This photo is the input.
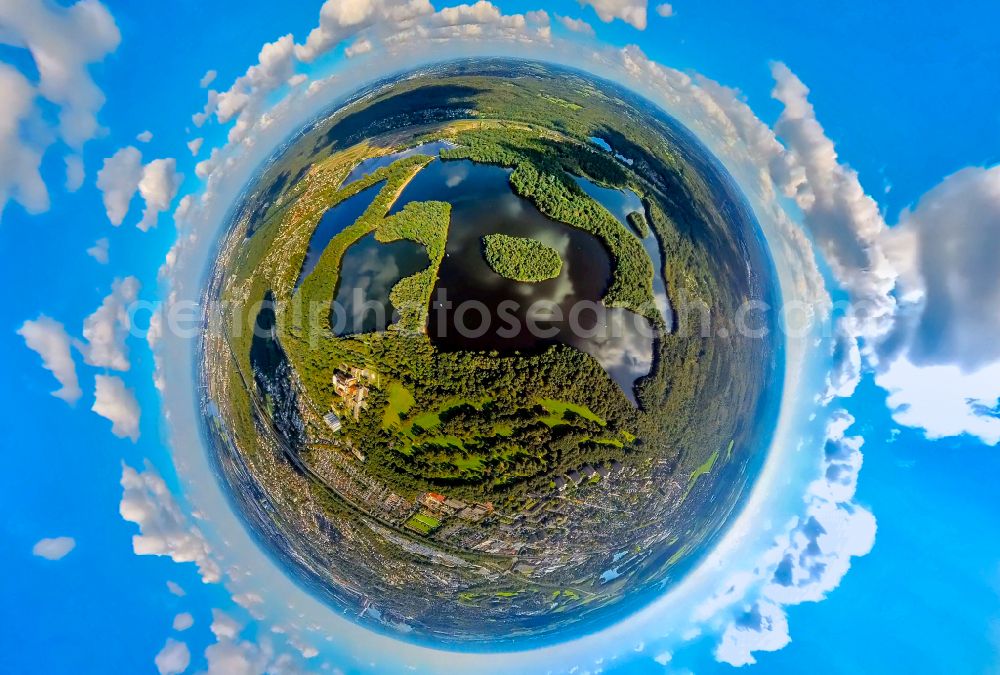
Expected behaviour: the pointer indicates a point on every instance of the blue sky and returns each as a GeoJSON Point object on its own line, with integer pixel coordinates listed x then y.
{"type": "Point", "coordinates": [909, 93]}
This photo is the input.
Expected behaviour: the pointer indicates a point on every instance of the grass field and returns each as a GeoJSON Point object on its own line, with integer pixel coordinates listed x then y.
{"type": "Point", "coordinates": [400, 400]}
{"type": "Point", "coordinates": [558, 409]}
{"type": "Point", "coordinates": [423, 523]}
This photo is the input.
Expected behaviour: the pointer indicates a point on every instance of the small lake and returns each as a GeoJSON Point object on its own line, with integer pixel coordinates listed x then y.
{"type": "Point", "coordinates": [333, 223]}
{"type": "Point", "coordinates": [621, 203]}
{"type": "Point", "coordinates": [368, 271]}
{"type": "Point", "coordinates": [476, 309]}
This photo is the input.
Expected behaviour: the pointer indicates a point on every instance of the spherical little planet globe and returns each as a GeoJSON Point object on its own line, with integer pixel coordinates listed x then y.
{"type": "Point", "coordinates": [472, 372]}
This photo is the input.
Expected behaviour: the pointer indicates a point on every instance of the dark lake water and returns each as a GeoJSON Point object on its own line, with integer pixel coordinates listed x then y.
{"type": "Point", "coordinates": [368, 271]}
{"type": "Point", "coordinates": [476, 309]}
{"type": "Point", "coordinates": [333, 222]}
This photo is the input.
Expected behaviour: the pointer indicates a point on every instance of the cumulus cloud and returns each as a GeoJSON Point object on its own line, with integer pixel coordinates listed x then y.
{"type": "Point", "coordinates": [75, 172]}
{"type": "Point", "coordinates": [245, 98]}
{"type": "Point", "coordinates": [194, 145]}
{"type": "Point", "coordinates": [946, 249]}
{"type": "Point", "coordinates": [183, 621]}
{"type": "Point", "coordinates": [843, 220]}
{"type": "Point", "coordinates": [207, 79]}
{"type": "Point", "coordinates": [845, 373]}
{"type": "Point", "coordinates": [123, 174]}
{"type": "Point", "coordinates": [48, 338]}
{"type": "Point", "coordinates": [632, 12]}
{"type": "Point", "coordinates": [62, 42]}
{"type": "Point", "coordinates": [99, 251]}
{"type": "Point", "coordinates": [576, 25]}
{"type": "Point", "coordinates": [480, 21]}
{"type": "Point", "coordinates": [20, 179]}
{"type": "Point", "coordinates": [118, 181]}
{"type": "Point", "coordinates": [224, 626]}
{"type": "Point", "coordinates": [55, 548]}
{"type": "Point", "coordinates": [114, 402]}
{"type": "Point", "coordinates": [163, 528]}
{"type": "Point", "coordinates": [665, 10]}
{"type": "Point", "coordinates": [174, 658]}
{"type": "Point", "coordinates": [360, 46]}
{"type": "Point", "coordinates": [944, 400]}
{"type": "Point", "coordinates": [144, 136]}
{"type": "Point", "coordinates": [762, 626]}
{"type": "Point", "coordinates": [175, 589]}
{"type": "Point", "coordinates": [158, 187]}
{"type": "Point", "coordinates": [106, 330]}
{"type": "Point", "coordinates": [342, 19]}
{"type": "Point", "coordinates": [924, 292]}
{"type": "Point", "coordinates": [806, 562]}
{"type": "Point", "coordinates": [232, 655]}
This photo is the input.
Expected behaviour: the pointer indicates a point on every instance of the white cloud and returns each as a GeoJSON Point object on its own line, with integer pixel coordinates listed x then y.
{"type": "Point", "coordinates": [231, 655]}
{"type": "Point", "coordinates": [808, 561]}
{"type": "Point", "coordinates": [123, 174]}
{"type": "Point", "coordinates": [106, 330]}
{"type": "Point", "coordinates": [207, 79]}
{"type": "Point", "coordinates": [665, 10]}
{"type": "Point", "coordinates": [944, 400]}
{"type": "Point", "coordinates": [158, 187]}
{"type": "Point", "coordinates": [20, 179]}
{"type": "Point", "coordinates": [359, 47]}
{"type": "Point", "coordinates": [183, 621]}
{"type": "Point", "coordinates": [175, 589]}
{"type": "Point", "coordinates": [118, 181]}
{"type": "Point", "coordinates": [99, 251]}
{"type": "Point", "coordinates": [145, 136]}
{"type": "Point", "coordinates": [843, 220]}
{"type": "Point", "coordinates": [632, 12]}
{"type": "Point", "coordinates": [55, 548]}
{"type": "Point", "coordinates": [62, 42]}
{"type": "Point", "coordinates": [48, 338]}
{"type": "Point", "coordinates": [75, 172]}
{"type": "Point", "coordinates": [246, 97]}
{"type": "Point", "coordinates": [922, 292]}
{"type": "Point", "coordinates": [224, 626]}
{"type": "Point", "coordinates": [845, 373]}
{"type": "Point", "coordinates": [482, 21]}
{"type": "Point", "coordinates": [163, 527]}
{"type": "Point", "coordinates": [342, 19]}
{"type": "Point", "coordinates": [576, 25]}
{"type": "Point", "coordinates": [174, 658]}
{"type": "Point", "coordinates": [761, 627]}
{"type": "Point", "coordinates": [297, 79]}
{"type": "Point", "coordinates": [113, 401]}
{"type": "Point", "coordinates": [194, 145]}
{"type": "Point", "coordinates": [946, 249]}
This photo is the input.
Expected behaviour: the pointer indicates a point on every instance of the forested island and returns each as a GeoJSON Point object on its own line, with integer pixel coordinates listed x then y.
{"type": "Point", "coordinates": [521, 259]}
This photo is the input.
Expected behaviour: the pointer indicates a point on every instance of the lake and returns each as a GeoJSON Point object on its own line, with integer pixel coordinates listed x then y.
{"type": "Point", "coordinates": [368, 271]}
{"type": "Point", "coordinates": [333, 223]}
{"type": "Point", "coordinates": [476, 309]}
